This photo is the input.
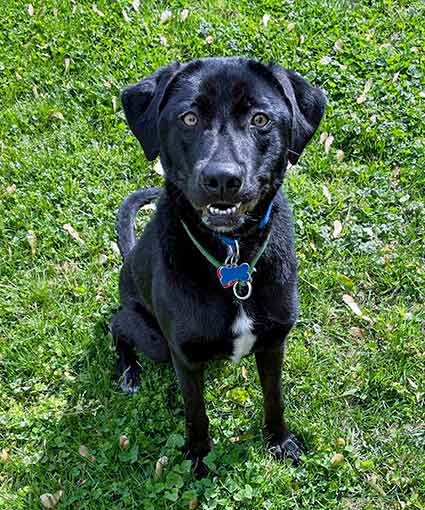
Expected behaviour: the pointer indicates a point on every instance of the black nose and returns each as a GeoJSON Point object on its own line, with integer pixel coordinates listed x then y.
{"type": "Point", "coordinates": [222, 180]}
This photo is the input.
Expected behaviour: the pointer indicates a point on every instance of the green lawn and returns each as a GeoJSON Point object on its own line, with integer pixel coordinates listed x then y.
{"type": "Point", "coordinates": [354, 384]}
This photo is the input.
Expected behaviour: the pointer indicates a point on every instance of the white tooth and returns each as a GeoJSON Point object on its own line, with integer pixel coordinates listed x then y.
{"type": "Point", "coordinates": [233, 209]}
{"type": "Point", "coordinates": [238, 205]}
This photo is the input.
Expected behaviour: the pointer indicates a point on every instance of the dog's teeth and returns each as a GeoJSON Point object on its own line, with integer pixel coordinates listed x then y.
{"type": "Point", "coordinates": [233, 209]}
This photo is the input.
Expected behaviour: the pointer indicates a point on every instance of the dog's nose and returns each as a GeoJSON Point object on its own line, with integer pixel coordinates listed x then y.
{"type": "Point", "coordinates": [221, 179]}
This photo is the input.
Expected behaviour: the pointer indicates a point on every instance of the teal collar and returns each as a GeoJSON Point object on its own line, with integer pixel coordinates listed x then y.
{"type": "Point", "coordinates": [231, 273]}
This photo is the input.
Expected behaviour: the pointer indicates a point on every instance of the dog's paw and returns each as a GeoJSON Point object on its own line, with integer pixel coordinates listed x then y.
{"type": "Point", "coordinates": [200, 469]}
{"type": "Point", "coordinates": [129, 380]}
{"type": "Point", "coordinates": [289, 447]}
{"type": "Point", "coordinates": [196, 455]}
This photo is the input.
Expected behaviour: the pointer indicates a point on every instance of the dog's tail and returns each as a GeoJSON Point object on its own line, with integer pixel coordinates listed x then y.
{"type": "Point", "coordinates": [124, 227]}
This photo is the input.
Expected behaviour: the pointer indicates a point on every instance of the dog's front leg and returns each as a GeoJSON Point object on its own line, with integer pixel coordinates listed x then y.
{"type": "Point", "coordinates": [198, 443]}
{"type": "Point", "coordinates": [282, 443]}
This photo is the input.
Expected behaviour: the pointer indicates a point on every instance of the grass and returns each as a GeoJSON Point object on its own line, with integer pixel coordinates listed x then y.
{"type": "Point", "coordinates": [353, 386]}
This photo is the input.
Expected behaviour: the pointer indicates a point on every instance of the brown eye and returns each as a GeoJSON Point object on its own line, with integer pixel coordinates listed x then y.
{"type": "Point", "coordinates": [190, 119]}
{"type": "Point", "coordinates": [260, 120]}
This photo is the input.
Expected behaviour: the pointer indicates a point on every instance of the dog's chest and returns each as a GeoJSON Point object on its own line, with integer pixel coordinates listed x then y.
{"type": "Point", "coordinates": [244, 338]}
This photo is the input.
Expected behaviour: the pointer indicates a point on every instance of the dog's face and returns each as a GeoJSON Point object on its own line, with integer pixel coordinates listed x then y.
{"type": "Point", "coordinates": [225, 129]}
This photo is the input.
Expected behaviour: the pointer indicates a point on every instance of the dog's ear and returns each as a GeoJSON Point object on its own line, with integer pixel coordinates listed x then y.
{"type": "Point", "coordinates": [141, 102]}
{"type": "Point", "coordinates": [307, 104]}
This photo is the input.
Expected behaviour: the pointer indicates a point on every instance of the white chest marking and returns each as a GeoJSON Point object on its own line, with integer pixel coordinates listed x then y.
{"type": "Point", "coordinates": [242, 329]}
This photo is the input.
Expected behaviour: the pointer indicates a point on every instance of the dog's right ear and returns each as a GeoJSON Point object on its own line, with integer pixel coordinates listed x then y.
{"type": "Point", "coordinates": [141, 104]}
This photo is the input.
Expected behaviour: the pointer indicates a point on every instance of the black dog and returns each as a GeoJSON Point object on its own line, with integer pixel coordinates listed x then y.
{"type": "Point", "coordinates": [225, 129]}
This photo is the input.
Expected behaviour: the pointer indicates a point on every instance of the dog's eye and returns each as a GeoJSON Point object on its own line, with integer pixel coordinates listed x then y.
{"type": "Point", "coordinates": [190, 119]}
{"type": "Point", "coordinates": [260, 120]}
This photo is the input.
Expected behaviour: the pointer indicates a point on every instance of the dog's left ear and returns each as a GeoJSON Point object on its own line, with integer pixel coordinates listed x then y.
{"type": "Point", "coordinates": [307, 104]}
{"type": "Point", "coordinates": [141, 103]}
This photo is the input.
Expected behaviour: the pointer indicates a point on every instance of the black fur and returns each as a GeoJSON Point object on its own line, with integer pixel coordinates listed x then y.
{"type": "Point", "coordinates": [173, 306]}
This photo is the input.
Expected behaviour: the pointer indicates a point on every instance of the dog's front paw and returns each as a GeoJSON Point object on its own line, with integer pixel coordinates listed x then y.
{"type": "Point", "coordinates": [129, 380]}
{"type": "Point", "coordinates": [289, 447]}
{"type": "Point", "coordinates": [196, 455]}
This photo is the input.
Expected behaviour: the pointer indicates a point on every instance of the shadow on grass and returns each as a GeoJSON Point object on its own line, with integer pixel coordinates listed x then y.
{"type": "Point", "coordinates": [81, 449]}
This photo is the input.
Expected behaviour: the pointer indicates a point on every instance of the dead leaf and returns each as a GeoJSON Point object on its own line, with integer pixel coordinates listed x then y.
{"type": "Point", "coordinates": [55, 13]}
{"type": "Point", "coordinates": [163, 40]}
{"type": "Point", "coordinates": [102, 259]}
{"type": "Point", "coordinates": [18, 76]}
{"type": "Point", "coordinates": [327, 194]}
{"type": "Point", "coordinates": [115, 248]}
{"type": "Point", "coordinates": [362, 98]}
{"type": "Point", "coordinates": [193, 503]}
{"type": "Point", "coordinates": [4, 455]}
{"type": "Point", "coordinates": [148, 207]}
{"type": "Point", "coordinates": [396, 76]}
{"type": "Point", "coordinates": [325, 60]}
{"type": "Point", "coordinates": [11, 188]}
{"type": "Point", "coordinates": [337, 229]}
{"type": "Point", "coordinates": [337, 459]}
{"type": "Point", "coordinates": [244, 373]}
{"type": "Point", "coordinates": [354, 307]}
{"type": "Point", "coordinates": [159, 468]}
{"type": "Point", "coordinates": [136, 5]}
{"type": "Point", "coordinates": [357, 332]}
{"type": "Point", "coordinates": [35, 91]}
{"type": "Point", "coordinates": [73, 233]}
{"type": "Point", "coordinates": [373, 119]}
{"type": "Point", "coordinates": [340, 441]}
{"type": "Point", "coordinates": [114, 104]}
{"type": "Point", "coordinates": [328, 142]}
{"type": "Point", "coordinates": [30, 9]}
{"type": "Point", "coordinates": [158, 168]}
{"type": "Point", "coordinates": [124, 442]}
{"type": "Point", "coordinates": [340, 155]}
{"type": "Point", "coordinates": [125, 16]}
{"type": "Point", "coordinates": [83, 451]}
{"type": "Point", "coordinates": [51, 500]}
{"type": "Point", "coordinates": [32, 241]}
{"type": "Point", "coordinates": [373, 482]}
{"type": "Point", "coordinates": [302, 39]}
{"type": "Point", "coordinates": [339, 44]}
{"type": "Point", "coordinates": [290, 27]}
{"type": "Point", "coordinates": [368, 86]}
{"type": "Point", "coordinates": [97, 10]}
{"type": "Point", "coordinates": [165, 15]}
{"type": "Point", "coordinates": [414, 49]}
{"type": "Point", "coordinates": [323, 137]}
{"type": "Point", "coordinates": [209, 39]}
{"type": "Point", "coordinates": [56, 115]}
{"type": "Point", "coordinates": [184, 14]}
{"type": "Point", "coordinates": [66, 63]}
{"type": "Point", "coordinates": [265, 19]}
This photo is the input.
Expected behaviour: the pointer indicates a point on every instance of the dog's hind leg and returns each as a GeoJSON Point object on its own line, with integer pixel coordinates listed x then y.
{"type": "Point", "coordinates": [135, 330]}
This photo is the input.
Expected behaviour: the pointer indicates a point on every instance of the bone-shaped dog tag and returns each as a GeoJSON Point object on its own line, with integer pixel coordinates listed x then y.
{"type": "Point", "coordinates": [229, 275]}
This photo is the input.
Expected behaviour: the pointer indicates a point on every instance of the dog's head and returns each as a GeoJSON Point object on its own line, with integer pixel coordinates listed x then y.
{"type": "Point", "coordinates": [225, 129]}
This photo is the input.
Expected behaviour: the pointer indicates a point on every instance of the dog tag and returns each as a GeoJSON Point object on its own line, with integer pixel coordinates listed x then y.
{"type": "Point", "coordinates": [230, 274]}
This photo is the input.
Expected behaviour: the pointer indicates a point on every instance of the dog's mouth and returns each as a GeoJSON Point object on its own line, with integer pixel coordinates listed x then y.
{"type": "Point", "coordinates": [223, 216]}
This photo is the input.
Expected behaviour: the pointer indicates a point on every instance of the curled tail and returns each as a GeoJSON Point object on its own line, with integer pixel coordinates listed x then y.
{"type": "Point", "coordinates": [126, 215]}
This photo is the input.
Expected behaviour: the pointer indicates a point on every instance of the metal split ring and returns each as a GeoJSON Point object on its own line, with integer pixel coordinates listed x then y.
{"type": "Point", "coordinates": [248, 286]}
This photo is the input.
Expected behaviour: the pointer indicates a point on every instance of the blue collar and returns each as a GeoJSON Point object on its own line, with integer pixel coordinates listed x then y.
{"type": "Point", "coordinates": [229, 241]}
